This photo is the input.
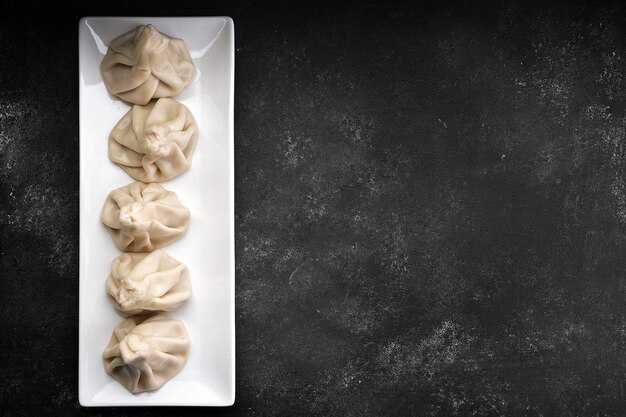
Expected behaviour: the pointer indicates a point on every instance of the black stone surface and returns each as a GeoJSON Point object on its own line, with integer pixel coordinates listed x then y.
{"type": "Point", "coordinates": [430, 209]}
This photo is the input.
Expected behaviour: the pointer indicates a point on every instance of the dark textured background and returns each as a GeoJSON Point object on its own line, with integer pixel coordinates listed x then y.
{"type": "Point", "coordinates": [430, 209]}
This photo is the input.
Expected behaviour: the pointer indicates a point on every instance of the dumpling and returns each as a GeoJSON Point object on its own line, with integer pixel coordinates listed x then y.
{"type": "Point", "coordinates": [143, 64]}
{"type": "Point", "coordinates": [154, 143]}
{"type": "Point", "coordinates": [143, 217]}
{"type": "Point", "coordinates": [143, 354]}
{"type": "Point", "coordinates": [146, 282]}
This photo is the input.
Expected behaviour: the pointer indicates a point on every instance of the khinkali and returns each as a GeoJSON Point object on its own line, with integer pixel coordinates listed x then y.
{"type": "Point", "coordinates": [154, 143]}
{"type": "Point", "coordinates": [147, 282]}
{"type": "Point", "coordinates": [143, 354]}
{"type": "Point", "coordinates": [143, 217]}
{"type": "Point", "coordinates": [143, 64]}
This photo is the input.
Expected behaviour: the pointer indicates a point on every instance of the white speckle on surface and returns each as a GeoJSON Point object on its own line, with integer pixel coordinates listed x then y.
{"type": "Point", "coordinates": [357, 128]}
{"type": "Point", "coordinates": [294, 149]}
{"type": "Point", "coordinates": [426, 357]}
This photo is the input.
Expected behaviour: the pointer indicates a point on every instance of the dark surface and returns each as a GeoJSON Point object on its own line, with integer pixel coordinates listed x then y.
{"type": "Point", "coordinates": [430, 210]}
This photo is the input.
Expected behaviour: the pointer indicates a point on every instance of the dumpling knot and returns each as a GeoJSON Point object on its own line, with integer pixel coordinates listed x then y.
{"type": "Point", "coordinates": [131, 216]}
{"type": "Point", "coordinates": [155, 41]}
{"type": "Point", "coordinates": [131, 294]}
{"type": "Point", "coordinates": [156, 144]}
{"type": "Point", "coordinates": [133, 347]}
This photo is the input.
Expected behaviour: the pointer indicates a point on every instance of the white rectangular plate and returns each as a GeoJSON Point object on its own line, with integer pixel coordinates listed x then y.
{"type": "Point", "coordinates": [207, 189]}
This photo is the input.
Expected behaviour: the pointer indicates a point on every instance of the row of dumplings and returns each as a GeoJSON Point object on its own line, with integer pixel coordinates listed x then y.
{"type": "Point", "coordinates": [153, 142]}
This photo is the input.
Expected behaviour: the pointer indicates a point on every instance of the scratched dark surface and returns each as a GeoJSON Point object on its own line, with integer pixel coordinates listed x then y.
{"type": "Point", "coordinates": [430, 209]}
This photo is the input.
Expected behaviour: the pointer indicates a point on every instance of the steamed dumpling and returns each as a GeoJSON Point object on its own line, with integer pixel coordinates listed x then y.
{"type": "Point", "coordinates": [146, 282]}
{"type": "Point", "coordinates": [143, 217]}
{"type": "Point", "coordinates": [143, 354]}
{"type": "Point", "coordinates": [143, 64]}
{"type": "Point", "coordinates": [154, 143]}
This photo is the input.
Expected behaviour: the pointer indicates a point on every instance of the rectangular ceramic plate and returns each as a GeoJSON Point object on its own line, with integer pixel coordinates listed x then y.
{"type": "Point", "coordinates": [207, 189]}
